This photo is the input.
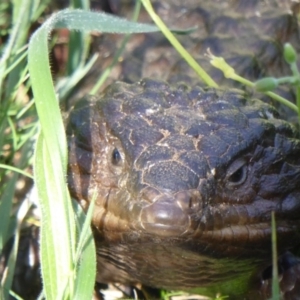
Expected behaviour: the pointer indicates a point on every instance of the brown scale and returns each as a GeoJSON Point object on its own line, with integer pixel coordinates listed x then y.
{"type": "Point", "coordinates": [177, 219]}
{"type": "Point", "coordinates": [191, 177]}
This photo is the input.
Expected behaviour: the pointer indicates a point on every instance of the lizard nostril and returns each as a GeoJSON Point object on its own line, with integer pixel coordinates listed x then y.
{"type": "Point", "coordinates": [164, 218]}
{"type": "Point", "coordinates": [189, 200]}
{"type": "Point", "coordinates": [115, 156]}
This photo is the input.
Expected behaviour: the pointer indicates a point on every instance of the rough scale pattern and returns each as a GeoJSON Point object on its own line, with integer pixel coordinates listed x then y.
{"type": "Point", "coordinates": [186, 181]}
{"type": "Point", "coordinates": [187, 177]}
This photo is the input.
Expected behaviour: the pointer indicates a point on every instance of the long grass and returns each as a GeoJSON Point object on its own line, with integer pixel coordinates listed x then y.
{"type": "Point", "coordinates": [18, 125]}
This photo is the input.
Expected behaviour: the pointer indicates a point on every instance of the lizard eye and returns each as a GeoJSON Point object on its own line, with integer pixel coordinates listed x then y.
{"type": "Point", "coordinates": [115, 156]}
{"type": "Point", "coordinates": [237, 173]}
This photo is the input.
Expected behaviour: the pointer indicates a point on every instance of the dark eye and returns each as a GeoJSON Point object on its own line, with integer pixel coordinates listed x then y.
{"type": "Point", "coordinates": [237, 173]}
{"type": "Point", "coordinates": [116, 156]}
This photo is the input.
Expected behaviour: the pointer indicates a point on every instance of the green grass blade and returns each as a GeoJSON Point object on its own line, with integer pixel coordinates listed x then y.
{"type": "Point", "coordinates": [59, 247]}
{"type": "Point", "coordinates": [5, 209]}
{"type": "Point", "coordinates": [11, 168]}
{"type": "Point", "coordinates": [87, 21]}
{"type": "Point", "coordinates": [86, 255]}
{"type": "Point", "coordinates": [66, 85]}
{"type": "Point", "coordinates": [229, 72]}
{"type": "Point", "coordinates": [45, 98]}
{"type": "Point", "coordinates": [175, 43]}
{"type": "Point", "coordinates": [107, 71]}
{"type": "Point", "coordinates": [79, 42]}
{"type": "Point", "coordinates": [50, 170]}
{"type": "Point", "coordinates": [56, 258]}
{"type": "Point", "coordinates": [275, 283]}
{"type": "Point", "coordinates": [8, 279]}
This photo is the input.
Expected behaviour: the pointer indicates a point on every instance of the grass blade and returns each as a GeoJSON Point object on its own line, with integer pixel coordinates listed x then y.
{"type": "Point", "coordinates": [56, 257]}
{"type": "Point", "coordinates": [58, 248]}
{"type": "Point", "coordinates": [182, 51]}
{"type": "Point", "coordinates": [275, 283]}
{"type": "Point", "coordinates": [86, 256]}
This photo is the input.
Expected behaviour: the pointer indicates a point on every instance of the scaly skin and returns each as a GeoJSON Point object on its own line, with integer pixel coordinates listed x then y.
{"type": "Point", "coordinates": [187, 178]}
{"type": "Point", "coordinates": [186, 181]}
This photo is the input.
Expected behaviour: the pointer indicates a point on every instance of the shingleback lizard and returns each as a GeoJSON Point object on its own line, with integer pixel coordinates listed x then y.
{"type": "Point", "coordinates": [187, 176]}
